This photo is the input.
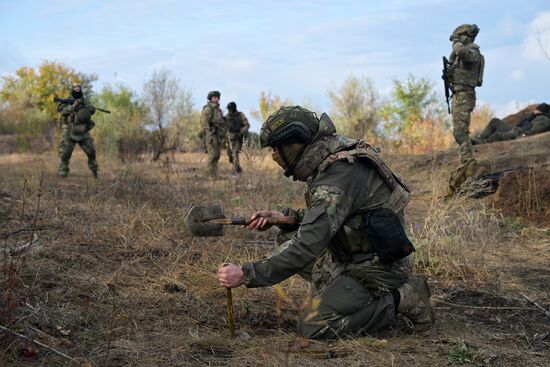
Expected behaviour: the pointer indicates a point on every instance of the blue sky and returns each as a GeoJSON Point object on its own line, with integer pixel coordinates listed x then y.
{"type": "Point", "coordinates": [296, 49]}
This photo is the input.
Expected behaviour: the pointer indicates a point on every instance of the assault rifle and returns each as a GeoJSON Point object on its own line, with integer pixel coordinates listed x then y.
{"type": "Point", "coordinates": [67, 101]}
{"type": "Point", "coordinates": [446, 82]}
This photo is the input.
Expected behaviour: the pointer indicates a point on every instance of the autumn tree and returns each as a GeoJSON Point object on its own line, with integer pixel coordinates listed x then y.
{"type": "Point", "coordinates": [37, 87]}
{"type": "Point", "coordinates": [160, 96]}
{"type": "Point", "coordinates": [125, 120]}
{"type": "Point", "coordinates": [267, 104]}
{"type": "Point", "coordinates": [415, 120]}
{"type": "Point", "coordinates": [354, 108]}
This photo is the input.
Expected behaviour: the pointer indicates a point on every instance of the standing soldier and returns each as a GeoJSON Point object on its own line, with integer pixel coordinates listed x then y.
{"type": "Point", "coordinates": [77, 123]}
{"type": "Point", "coordinates": [214, 130]}
{"type": "Point", "coordinates": [237, 125]}
{"type": "Point", "coordinates": [466, 73]}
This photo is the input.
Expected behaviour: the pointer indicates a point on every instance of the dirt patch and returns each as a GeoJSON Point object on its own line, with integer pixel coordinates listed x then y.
{"type": "Point", "coordinates": [525, 193]}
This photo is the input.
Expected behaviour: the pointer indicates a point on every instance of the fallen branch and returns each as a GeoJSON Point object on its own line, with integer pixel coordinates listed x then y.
{"type": "Point", "coordinates": [536, 304]}
{"type": "Point", "coordinates": [485, 307]}
{"type": "Point", "coordinates": [38, 343]}
{"type": "Point", "coordinates": [21, 248]}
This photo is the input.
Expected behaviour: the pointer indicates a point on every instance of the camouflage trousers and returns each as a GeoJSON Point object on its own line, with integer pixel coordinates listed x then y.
{"type": "Point", "coordinates": [214, 145]}
{"type": "Point", "coordinates": [233, 150]}
{"type": "Point", "coordinates": [462, 106]}
{"type": "Point", "coordinates": [497, 130]}
{"type": "Point", "coordinates": [348, 299]}
{"type": "Point", "coordinates": [66, 147]}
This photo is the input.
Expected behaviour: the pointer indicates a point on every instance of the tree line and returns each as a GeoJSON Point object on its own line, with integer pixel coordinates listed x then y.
{"type": "Point", "coordinates": [411, 120]}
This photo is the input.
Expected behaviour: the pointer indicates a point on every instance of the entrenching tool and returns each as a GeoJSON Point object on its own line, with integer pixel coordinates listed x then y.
{"type": "Point", "coordinates": [208, 221]}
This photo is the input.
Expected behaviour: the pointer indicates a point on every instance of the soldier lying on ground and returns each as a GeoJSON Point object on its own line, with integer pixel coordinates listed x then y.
{"type": "Point", "coordinates": [536, 122]}
{"type": "Point", "coordinates": [349, 242]}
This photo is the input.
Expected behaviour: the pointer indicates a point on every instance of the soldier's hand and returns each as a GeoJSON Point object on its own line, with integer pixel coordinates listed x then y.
{"type": "Point", "coordinates": [230, 275]}
{"type": "Point", "coordinates": [259, 220]}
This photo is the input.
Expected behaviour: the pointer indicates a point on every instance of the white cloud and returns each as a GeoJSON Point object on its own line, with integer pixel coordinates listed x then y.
{"type": "Point", "coordinates": [517, 75]}
{"type": "Point", "coordinates": [502, 110]}
{"type": "Point", "coordinates": [537, 43]}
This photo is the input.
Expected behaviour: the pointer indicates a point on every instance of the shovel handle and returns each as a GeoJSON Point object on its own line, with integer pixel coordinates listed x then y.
{"type": "Point", "coordinates": [242, 221]}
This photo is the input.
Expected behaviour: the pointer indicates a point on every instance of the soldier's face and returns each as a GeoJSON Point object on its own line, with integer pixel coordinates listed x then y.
{"type": "Point", "coordinates": [77, 89]}
{"type": "Point", "coordinates": [278, 158]}
{"type": "Point", "coordinates": [214, 99]}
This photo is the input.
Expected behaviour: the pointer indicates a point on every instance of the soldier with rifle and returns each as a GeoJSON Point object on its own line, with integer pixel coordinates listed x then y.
{"type": "Point", "coordinates": [77, 122]}
{"type": "Point", "coordinates": [462, 73]}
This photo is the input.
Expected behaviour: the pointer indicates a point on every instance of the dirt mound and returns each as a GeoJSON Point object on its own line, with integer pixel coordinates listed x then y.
{"type": "Point", "coordinates": [525, 193]}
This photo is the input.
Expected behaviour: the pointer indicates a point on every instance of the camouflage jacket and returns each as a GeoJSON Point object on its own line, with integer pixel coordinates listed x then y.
{"type": "Point", "coordinates": [237, 125]}
{"type": "Point", "coordinates": [534, 124]}
{"type": "Point", "coordinates": [212, 120]}
{"type": "Point", "coordinates": [467, 64]}
{"type": "Point", "coordinates": [339, 192]}
{"type": "Point", "coordinates": [77, 119]}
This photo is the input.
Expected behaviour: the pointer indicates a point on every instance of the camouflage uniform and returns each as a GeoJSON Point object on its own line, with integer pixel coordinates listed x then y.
{"type": "Point", "coordinates": [237, 128]}
{"type": "Point", "coordinates": [467, 65]}
{"type": "Point", "coordinates": [214, 132]}
{"type": "Point", "coordinates": [498, 130]}
{"type": "Point", "coordinates": [346, 179]}
{"type": "Point", "coordinates": [77, 124]}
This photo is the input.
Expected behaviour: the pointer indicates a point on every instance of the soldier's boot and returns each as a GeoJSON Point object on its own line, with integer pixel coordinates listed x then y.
{"type": "Point", "coordinates": [477, 141]}
{"type": "Point", "coordinates": [415, 303]}
{"type": "Point", "coordinates": [94, 173]}
{"type": "Point", "coordinates": [63, 170]}
{"type": "Point", "coordinates": [238, 169]}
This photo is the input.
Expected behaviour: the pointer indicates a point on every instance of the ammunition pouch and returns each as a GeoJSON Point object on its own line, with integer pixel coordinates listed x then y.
{"type": "Point", "coordinates": [387, 235]}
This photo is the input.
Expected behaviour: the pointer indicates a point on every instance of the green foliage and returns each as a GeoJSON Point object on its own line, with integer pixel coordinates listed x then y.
{"type": "Point", "coordinates": [414, 118]}
{"type": "Point", "coordinates": [22, 144]}
{"type": "Point", "coordinates": [36, 87]}
{"type": "Point", "coordinates": [268, 104]}
{"type": "Point", "coordinates": [463, 354]}
{"type": "Point", "coordinates": [355, 108]}
{"type": "Point", "coordinates": [124, 121]}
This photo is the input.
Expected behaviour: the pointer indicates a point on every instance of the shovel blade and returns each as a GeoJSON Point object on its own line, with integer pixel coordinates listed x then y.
{"type": "Point", "coordinates": [197, 221]}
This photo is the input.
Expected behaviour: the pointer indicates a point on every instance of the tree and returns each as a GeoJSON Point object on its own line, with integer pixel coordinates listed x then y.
{"type": "Point", "coordinates": [186, 121]}
{"type": "Point", "coordinates": [415, 120]}
{"type": "Point", "coordinates": [267, 105]}
{"type": "Point", "coordinates": [160, 95]}
{"type": "Point", "coordinates": [26, 97]}
{"type": "Point", "coordinates": [354, 107]}
{"type": "Point", "coordinates": [125, 120]}
{"type": "Point", "coordinates": [37, 87]}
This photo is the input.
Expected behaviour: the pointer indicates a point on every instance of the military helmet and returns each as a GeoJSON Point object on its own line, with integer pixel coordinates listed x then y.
{"type": "Point", "coordinates": [288, 125]}
{"type": "Point", "coordinates": [213, 93]}
{"type": "Point", "coordinates": [470, 30]}
{"type": "Point", "coordinates": [232, 106]}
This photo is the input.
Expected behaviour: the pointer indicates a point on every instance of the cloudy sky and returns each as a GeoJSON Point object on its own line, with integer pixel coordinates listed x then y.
{"type": "Point", "coordinates": [296, 49]}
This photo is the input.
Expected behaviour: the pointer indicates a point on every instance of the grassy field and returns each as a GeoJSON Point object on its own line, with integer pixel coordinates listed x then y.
{"type": "Point", "coordinates": [105, 272]}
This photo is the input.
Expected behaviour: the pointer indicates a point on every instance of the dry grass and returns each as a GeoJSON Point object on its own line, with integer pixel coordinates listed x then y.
{"type": "Point", "coordinates": [116, 279]}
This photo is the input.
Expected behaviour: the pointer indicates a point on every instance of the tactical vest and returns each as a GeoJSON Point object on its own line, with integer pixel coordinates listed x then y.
{"type": "Point", "coordinates": [351, 242]}
{"type": "Point", "coordinates": [217, 116]}
{"type": "Point", "coordinates": [234, 122]}
{"type": "Point", "coordinates": [468, 74]}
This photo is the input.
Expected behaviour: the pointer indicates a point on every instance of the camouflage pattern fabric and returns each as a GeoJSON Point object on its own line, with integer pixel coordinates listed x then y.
{"type": "Point", "coordinates": [237, 128]}
{"type": "Point", "coordinates": [214, 130]}
{"type": "Point", "coordinates": [496, 130]}
{"type": "Point", "coordinates": [466, 73]}
{"type": "Point", "coordinates": [351, 287]}
{"type": "Point", "coordinates": [463, 104]}
{"type": "Point", "coordinates": [77, 124]}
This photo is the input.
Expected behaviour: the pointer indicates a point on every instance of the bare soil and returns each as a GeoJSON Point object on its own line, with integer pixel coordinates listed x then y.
{"type": "Point", "coordinates": [113, 278]}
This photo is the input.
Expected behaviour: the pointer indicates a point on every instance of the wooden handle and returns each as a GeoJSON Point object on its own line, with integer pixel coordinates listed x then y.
{"type": "Point", "coordinates": [230, 320]}
{"type": "Point", "coordinates": [242, 221]}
